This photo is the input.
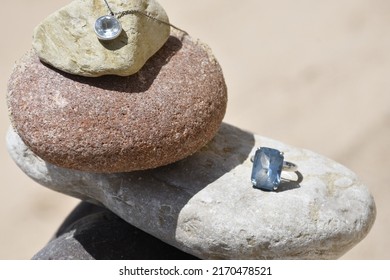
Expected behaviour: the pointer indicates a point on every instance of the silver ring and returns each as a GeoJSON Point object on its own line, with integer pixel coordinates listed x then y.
{"type": "Point", "coordinates": [268, 165]}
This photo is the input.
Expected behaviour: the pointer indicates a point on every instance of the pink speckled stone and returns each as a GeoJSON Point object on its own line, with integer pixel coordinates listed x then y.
{"type": "Point", "coordinates": [166, 112]}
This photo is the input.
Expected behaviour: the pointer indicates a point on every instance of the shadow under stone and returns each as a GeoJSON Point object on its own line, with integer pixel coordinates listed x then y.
{"type": "Point", "coordinates": [91, 232]}
{"type": "Point", "coordinates": [136, 83]}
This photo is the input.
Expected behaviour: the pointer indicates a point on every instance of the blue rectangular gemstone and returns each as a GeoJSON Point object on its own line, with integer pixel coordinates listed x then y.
{"type": "Point", "coordinates": [267, 167]}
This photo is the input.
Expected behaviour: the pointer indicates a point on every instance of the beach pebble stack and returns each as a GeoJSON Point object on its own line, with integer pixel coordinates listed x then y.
{"type": "Point", "coordinates": [133, 127]}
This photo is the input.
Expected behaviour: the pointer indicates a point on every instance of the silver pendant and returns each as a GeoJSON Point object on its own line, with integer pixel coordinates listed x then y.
{"type": "Point", "coordinates": [107, 28]}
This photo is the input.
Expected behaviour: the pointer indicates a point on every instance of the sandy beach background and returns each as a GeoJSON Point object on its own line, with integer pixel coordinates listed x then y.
{"type": "Point", "coordinates": [311, 73]}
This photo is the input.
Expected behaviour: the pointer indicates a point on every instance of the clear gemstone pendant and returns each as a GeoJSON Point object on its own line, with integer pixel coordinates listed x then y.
{"type": "Point", "coordinates": [107, 28]}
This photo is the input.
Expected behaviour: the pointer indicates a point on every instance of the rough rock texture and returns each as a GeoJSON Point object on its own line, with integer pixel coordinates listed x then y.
{"type": "Point", "coordinates": [167, 111]}
{"type": "Point", "coordinates": [205, 204]}
{"type": "Point", "coordinates": [67, 40]}
{"type": "Point", "coordinates": [94, 233]}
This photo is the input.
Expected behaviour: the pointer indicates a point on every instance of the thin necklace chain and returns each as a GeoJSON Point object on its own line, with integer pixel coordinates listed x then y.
{"type": "Point", "coordinates": [132, 12]}
{"type": "Point", "coordinates": [109, 8]}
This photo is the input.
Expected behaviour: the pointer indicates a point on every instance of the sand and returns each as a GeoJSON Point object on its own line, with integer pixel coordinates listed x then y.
{"type": "Point", "coordinates": [313, 74]}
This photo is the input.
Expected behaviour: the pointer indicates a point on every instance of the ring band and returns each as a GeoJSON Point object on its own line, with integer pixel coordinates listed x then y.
{"type": "Point", "coordinates": [268, 165]}
{"type": "Point", "coordinates": [289, 166]}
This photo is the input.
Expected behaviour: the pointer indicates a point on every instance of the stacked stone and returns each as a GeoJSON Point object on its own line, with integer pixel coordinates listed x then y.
{"type": "Point", "coordinates": [134, 126]}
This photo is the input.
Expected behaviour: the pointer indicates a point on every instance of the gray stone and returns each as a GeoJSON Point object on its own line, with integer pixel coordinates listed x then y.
{"type": "Point", "coordinates": [91, 232]}
{"type": "Point", "coordinates": [66, 39]}
{"type": "Point", "coordinates": [206, 205]}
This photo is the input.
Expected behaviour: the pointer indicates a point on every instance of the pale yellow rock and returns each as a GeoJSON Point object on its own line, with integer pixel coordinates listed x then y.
{"type": "Point", "coordinates": [66, 39]}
